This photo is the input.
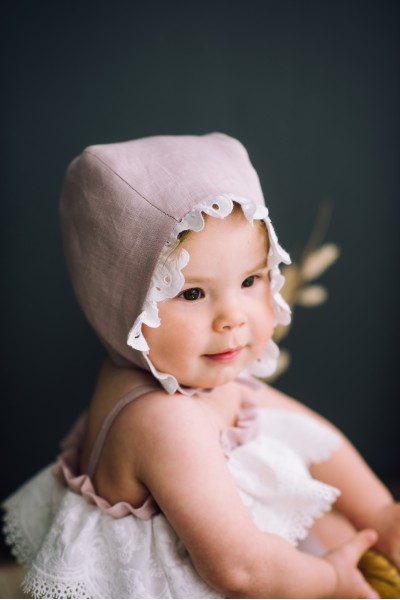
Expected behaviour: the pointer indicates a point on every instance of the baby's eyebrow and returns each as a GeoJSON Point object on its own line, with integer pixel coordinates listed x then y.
{"type": "Point", "coordinates": [262, 265]}
{"type": "Point", "coordinates": [199, 280]}
{"type": "Point", "coordinates": [196, 280]}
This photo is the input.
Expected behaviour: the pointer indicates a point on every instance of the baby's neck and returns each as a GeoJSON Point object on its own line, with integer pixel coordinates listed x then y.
{"type": "Point", "coordinates": [222, 403]}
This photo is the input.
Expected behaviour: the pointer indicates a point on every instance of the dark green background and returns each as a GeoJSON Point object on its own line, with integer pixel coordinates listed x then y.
{"type": "Point", "coordinates": [310, 87]}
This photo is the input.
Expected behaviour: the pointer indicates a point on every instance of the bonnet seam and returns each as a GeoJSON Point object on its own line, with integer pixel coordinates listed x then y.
{"type": "Point", "coordinates": [128, 184]}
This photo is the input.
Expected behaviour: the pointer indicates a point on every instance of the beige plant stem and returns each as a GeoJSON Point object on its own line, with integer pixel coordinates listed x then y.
{"type": "Point", "coordinates": [315, 259]}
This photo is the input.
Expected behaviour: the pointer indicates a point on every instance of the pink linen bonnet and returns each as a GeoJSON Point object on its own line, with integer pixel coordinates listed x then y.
{"type": "Point", "coordinates": [120, 205]}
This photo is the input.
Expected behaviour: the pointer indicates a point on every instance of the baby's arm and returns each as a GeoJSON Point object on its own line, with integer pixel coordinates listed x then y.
{"type": "Point", "coordinates": [364, 500]}
{"type": "Point", "coordinates": [179, 459]}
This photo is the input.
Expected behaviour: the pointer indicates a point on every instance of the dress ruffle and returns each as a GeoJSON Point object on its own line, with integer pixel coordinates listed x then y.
{"type": "Point", "coordinates": [66, 468]}
{"type": "Point", "coordinates": [272, 476]}
{"type": "Point", "coordinates": [83, 486]}
{"type": "Point", "coordinates": [72, 549]}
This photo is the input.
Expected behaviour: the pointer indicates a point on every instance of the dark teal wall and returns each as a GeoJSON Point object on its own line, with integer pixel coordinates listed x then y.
{"type": "Point", "coordinates": [310, 87]}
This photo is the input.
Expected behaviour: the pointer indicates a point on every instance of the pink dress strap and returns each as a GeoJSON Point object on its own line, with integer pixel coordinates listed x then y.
{"type": "Point", "coordinates": [109, 420]}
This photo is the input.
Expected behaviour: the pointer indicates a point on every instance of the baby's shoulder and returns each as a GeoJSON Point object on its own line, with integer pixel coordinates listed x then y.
{"type": "Point", "coordinates": [268, 396]}
{"type": "Point", "coordinates": [158, 411]}
{"type": "Point", "coordinates": [152, 432]}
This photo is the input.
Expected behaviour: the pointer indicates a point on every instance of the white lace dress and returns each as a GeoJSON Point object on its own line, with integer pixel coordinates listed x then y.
{"type": "Point", "coordinates": [74, 544]}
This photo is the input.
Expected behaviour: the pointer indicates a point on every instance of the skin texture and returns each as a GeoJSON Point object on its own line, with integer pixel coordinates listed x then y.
{"type": "Point", "coordinates": [169, 446]}
{"type": "Point", "coordinates": [227, 273]}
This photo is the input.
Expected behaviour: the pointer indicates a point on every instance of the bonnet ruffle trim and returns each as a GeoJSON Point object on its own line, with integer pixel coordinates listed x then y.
{"type": "Point", "coordinates": [167, 281]}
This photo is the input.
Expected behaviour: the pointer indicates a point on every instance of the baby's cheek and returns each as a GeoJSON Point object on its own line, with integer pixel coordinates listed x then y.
{"type": "Point", "coordinates": [184, 336]}
{"type": "Point", "coordinates": [266, 322]}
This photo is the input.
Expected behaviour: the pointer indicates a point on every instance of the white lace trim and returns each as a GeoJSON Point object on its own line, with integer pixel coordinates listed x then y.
{"type": "Point", "coordinates": [72, 549]}
{"type": "Point", "coordinates": [42, 586]}
{"type": "Point", "coordinates": [272, 476]}
{"type": "Point", "coordinates": [167, 281]}
{"type": "Point", "coordinates": [15, 537]}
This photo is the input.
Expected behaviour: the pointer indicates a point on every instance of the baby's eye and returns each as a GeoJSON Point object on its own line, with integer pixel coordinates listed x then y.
{"type": "Point", "coordinates": [249, 281]}
{"type": "Point", "coordinates": [191, 294]}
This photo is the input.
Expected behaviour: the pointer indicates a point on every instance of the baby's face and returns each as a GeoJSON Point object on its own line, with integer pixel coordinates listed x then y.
{"type": "Point", "coordinates": [222, 319]}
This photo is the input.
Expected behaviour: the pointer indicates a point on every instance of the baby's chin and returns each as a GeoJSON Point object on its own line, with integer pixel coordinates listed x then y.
{"type": "Point", "coordinates": [211, 382]}
{"type": "Point", "coordinates": [215, 375]}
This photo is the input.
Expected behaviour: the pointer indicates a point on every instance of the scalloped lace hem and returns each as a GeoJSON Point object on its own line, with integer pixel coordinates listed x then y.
{"type": "Point", "coordinates": [40, 586]}
{"type": "Point", "coordinates": [15, 538]}
{"type": "Point", "coordinates": [302, 523]}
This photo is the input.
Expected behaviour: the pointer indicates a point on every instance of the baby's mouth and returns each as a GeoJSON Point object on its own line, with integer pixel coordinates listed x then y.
{"type": "Point", "coordinates": [226, 355]}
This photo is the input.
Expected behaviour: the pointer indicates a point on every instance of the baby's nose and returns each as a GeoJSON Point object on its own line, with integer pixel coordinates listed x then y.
{"type": "Point", "coordinates": [229, 317]}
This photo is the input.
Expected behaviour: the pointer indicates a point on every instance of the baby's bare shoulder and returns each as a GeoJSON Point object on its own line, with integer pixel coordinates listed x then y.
{"type": "Point", "coordinates": [271, 397]}
{"type": "Point", "coordinates": [157, 416]}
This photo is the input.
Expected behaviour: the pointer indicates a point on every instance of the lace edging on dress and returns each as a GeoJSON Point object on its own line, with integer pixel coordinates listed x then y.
{"type": "Point", "coordinates": [42, 586]}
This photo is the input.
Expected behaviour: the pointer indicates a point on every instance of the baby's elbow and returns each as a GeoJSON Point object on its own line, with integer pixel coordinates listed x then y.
{"type": "Point", "coordinates": [232, 581]}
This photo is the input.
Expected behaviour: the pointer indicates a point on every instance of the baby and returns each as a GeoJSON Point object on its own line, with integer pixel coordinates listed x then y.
{"type": "Point", "coordinates": [188, 476]}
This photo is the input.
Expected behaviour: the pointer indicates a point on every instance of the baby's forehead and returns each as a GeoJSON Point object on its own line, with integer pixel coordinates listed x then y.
{"type": "Point", "coordinates": [215, 230]}
{"type": "Point", "coordinates": [231, 245]}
